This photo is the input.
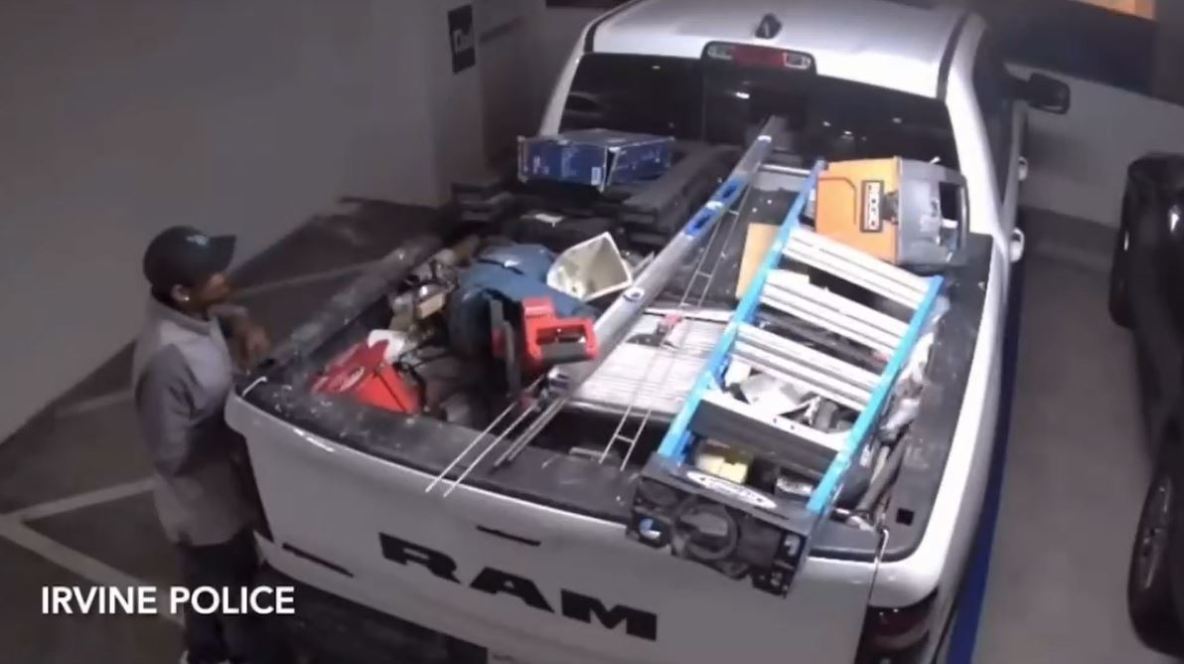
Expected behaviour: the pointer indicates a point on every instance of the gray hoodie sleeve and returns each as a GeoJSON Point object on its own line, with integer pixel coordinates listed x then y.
{"type": "Point", "coordinates": [164, 404]}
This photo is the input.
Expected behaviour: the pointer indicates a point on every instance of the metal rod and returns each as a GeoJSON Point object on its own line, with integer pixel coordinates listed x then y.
{"type": "Point", "coordinates": [489, 448]}
{"type": "Point", "coordinates": [686, 330]}
{"type": "Point", "coordinates": [476, 439]}
{"type": "Point", "coordinates": [536, 427]}
{"type": "Point", "coordinates": [698, 271]}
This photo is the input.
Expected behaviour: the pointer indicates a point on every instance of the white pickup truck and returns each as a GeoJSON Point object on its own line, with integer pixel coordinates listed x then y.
{"type": "Point", "coordinates": [531, 559]}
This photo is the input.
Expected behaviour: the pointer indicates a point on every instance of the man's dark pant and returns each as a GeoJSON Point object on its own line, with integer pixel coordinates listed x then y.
{"type": "Point", "coordinates": [215, 638]}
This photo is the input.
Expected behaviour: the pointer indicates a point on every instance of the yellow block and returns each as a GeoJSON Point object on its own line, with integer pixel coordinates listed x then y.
{"type": "Point", "coordinates": [721, 461]}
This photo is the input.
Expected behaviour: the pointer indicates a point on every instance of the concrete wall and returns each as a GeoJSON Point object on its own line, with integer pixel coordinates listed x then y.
{"type": "Point", "coordinates": [121, 118]}
{"type": "Point", "coordinates": [1169, 50]}
{"type": "Point", "coordinates": [507, 36]}
{"type": "Point", "coordinates": [454, 99]}
{"type": "Point", "coordinates": [523, 46]}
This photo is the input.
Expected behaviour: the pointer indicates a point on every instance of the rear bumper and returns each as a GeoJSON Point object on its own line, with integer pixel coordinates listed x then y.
{"type": "Point", "coordinates": [332, 628]}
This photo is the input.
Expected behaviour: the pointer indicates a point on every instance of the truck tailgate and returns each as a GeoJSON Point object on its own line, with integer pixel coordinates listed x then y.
{"type": "Point", "coordinates": [540, 584]}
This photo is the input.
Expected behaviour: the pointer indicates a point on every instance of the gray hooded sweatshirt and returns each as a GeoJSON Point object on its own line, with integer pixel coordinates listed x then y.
{"type": "Point", "coordinates": [182, 374]}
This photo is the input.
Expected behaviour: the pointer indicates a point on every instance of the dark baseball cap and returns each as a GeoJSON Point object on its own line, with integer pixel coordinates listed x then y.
{"type": "Point", "coordinates": [185, 256]}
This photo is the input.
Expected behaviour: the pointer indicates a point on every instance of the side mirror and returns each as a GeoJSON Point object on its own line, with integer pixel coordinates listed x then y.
{"type": "Point", "coordinates": [1046, 93]}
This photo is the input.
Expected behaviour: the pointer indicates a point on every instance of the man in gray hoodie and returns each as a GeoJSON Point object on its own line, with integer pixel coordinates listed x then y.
{"type": "Point", "coordinates": [183, 370]}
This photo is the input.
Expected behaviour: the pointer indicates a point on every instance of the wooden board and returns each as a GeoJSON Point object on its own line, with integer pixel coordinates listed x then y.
{"type": "Point", "coordinates": [756, 245]}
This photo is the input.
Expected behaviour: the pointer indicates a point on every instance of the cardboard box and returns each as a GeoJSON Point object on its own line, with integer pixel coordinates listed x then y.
{"type": "Point", "coordinates": [595, 157]}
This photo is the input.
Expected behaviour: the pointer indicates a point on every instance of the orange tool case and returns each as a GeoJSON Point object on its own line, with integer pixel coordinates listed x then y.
{"type": "Point", "coordinates": [905, 212]}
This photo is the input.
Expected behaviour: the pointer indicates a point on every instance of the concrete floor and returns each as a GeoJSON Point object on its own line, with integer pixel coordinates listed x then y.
{"type": "Point", "coordinates": [72, 482]}
{"type": "Point", "coordinates": [1075, 471]}
{"type": "Point", "coordinates": [1077, 467]}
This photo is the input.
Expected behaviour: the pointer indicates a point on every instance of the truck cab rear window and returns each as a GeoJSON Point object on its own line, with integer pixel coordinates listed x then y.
{"type": "Point", "coordinates": [644, 94]}
{"type": "Point", "coordinates": [723, 103]}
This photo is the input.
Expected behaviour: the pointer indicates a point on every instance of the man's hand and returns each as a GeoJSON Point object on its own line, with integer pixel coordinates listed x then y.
{"type": "Point", "coordinates": [250, 343]}
{"type": "Point", "coordinates": [248, 340]}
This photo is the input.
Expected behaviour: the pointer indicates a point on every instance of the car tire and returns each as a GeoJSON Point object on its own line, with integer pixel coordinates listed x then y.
{"type": "Point", "coordinates": [1119, 300]}
{"type": "Point", "coordinates": [1150, 599]}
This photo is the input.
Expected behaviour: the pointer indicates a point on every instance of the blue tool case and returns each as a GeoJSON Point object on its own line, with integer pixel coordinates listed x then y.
{"type": "Point", "coordinates": [598, 158]}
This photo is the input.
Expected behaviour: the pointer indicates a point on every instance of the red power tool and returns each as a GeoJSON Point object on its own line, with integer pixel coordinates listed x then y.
{"type": "Point", "coordinates": [540, 340]}
{"type": "Point", "coordinates": [363, 372]}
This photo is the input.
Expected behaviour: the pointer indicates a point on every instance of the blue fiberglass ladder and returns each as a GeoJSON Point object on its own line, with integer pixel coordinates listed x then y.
{"type": "Point", "coordinates": [737, 528]}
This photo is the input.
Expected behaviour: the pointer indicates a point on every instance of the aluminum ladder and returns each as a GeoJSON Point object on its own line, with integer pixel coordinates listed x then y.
{"type": "Point", "coordinates": [670, 481]}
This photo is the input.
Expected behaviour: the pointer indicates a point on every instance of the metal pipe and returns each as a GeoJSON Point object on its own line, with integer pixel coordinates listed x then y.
{"type": "Point", "coordinates": [476, 439]}
{"type": "Point", "coordinates": [536, 427]}
{"type": "Point", "coordinates": [632, 440]}
{"type": "Point", "coordinates": [702, 297]}
{"type": "Point", "coordinates": [879, 483]}
{"type": "Point", "coordinates": [489, 448]}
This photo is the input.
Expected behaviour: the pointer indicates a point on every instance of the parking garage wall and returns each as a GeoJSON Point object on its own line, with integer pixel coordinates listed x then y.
{"type": "Point", "coordinates": [122, 118]}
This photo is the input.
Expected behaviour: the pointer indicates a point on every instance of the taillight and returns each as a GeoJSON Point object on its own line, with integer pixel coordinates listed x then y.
{"type": "Point", "coordinates": [896, 636]}
{"type": "Point", "coordinates": [758, 56]}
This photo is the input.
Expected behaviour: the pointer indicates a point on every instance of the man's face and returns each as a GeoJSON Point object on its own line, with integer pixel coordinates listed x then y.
{"type": "Point", "coordinates": [215, 290]}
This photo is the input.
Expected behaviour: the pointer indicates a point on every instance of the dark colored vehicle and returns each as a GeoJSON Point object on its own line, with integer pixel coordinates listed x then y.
{"type": "Point", "coordinates": [1147, 296]}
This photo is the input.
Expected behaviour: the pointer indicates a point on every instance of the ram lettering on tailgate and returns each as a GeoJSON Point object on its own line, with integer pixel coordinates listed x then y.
{"type": "Point", "coordinates": [573, 605]}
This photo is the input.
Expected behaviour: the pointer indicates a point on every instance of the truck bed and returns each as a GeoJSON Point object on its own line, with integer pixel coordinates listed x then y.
{"type": "Point", "coordinates": [577, 485]}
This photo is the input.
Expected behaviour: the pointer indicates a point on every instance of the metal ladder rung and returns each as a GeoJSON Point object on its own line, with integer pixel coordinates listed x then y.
{"type": "Point", "coordinates": [786, 281]}
{"type": "Point", "coordinates": [832, 320]}
{"type": "Point", "coordinates": [629, 440]}
{"type": "Point", "coordinates": [848, 273]}
{"type": "Point", "coordinates": [858, 268]}
{"type": "Point", "coordinates": [777, 345]}
{"type": "Point", "coordinates": [804, 377]}
{"type": "Point", "coordinates": [737, 424]}
{"type": "Point", "coordinates": [848, 254]}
